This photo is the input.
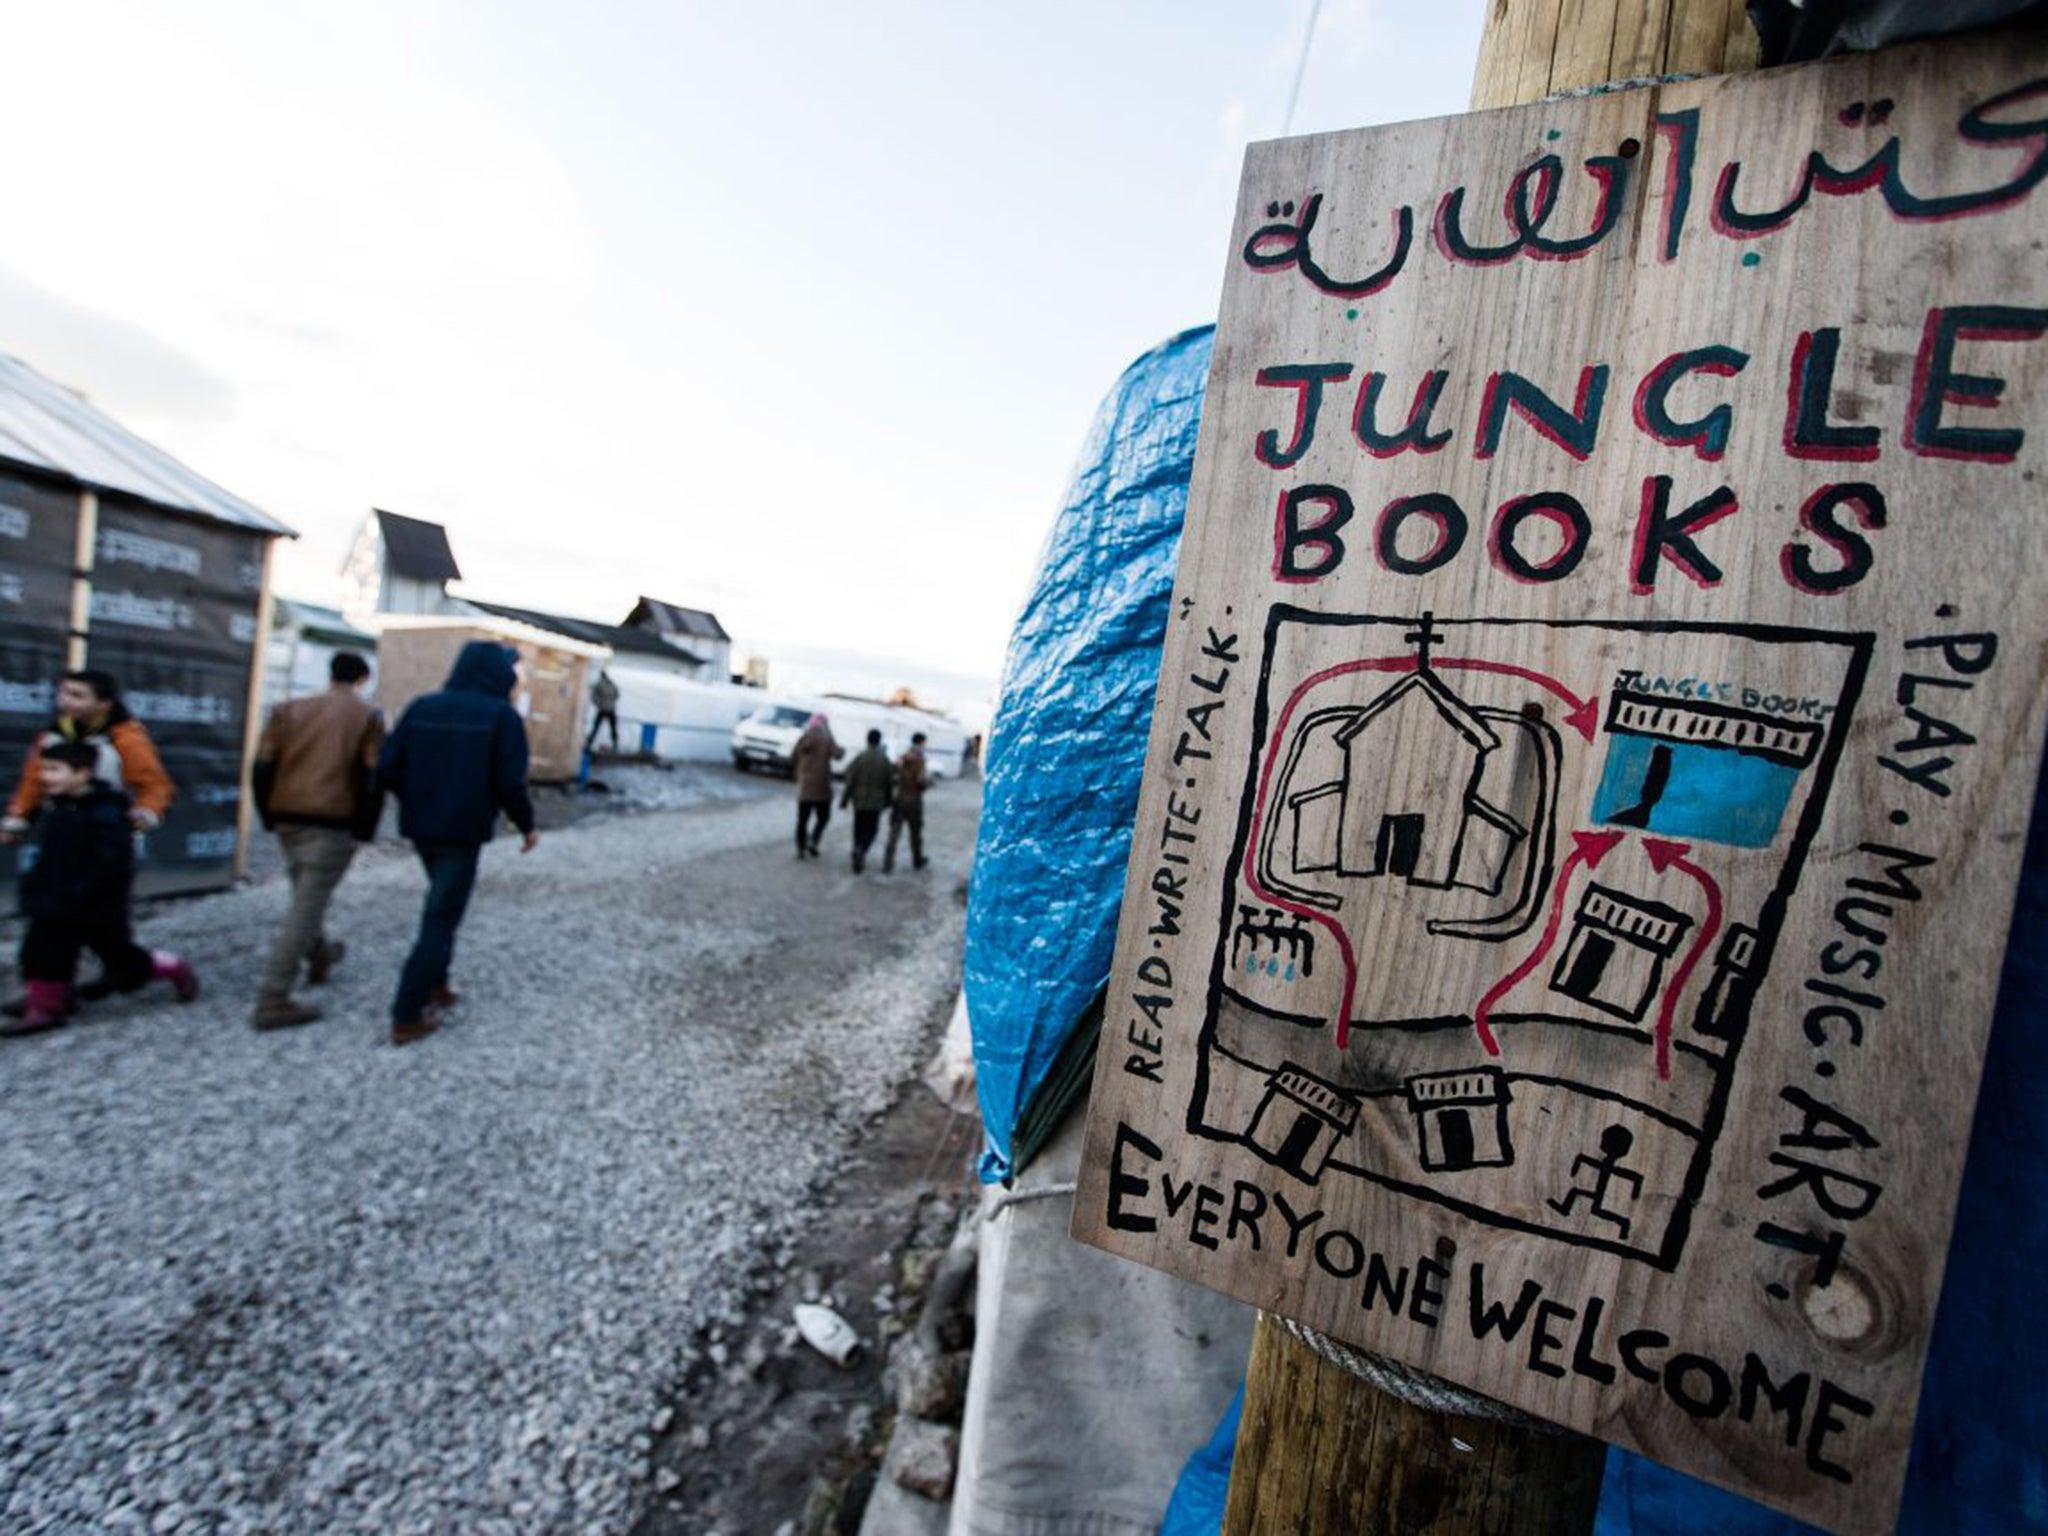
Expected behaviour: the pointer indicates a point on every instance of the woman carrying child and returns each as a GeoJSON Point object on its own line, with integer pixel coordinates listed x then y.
{"type": "Point", "coordinates": [75, 895]}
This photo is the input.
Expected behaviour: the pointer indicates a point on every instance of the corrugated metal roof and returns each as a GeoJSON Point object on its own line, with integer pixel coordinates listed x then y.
{"type": "Point", "coordinates": [674, 619]}
{"type": "Point", "coordinates": [313, 618]}
{"type": "Point", "coordinates": [46, 427]}
{"type": "Point", "coordinates": [617, 636]}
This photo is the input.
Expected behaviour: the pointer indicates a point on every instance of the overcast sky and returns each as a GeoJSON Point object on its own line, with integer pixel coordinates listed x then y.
{"type": "Point", "coordinates": [795, 312]}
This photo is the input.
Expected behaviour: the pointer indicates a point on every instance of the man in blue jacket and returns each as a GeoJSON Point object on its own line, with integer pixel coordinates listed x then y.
{"type": "Point", "coordinates": [456, 759]}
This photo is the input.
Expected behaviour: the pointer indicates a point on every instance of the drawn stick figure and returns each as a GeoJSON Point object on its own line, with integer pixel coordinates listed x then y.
{"type": "Point", "coordinates": [1615, 1142]}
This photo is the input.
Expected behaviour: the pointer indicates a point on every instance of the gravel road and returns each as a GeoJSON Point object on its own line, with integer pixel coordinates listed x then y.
{"type": "Point", "coordinates": [307, 1282]}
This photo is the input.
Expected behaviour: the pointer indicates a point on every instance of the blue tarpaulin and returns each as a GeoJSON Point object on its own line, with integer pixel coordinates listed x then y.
{"type": "Point", "coordinates": [1196, 1508]}
{"type": "Point", "coordinates": [1067, 747]}
{"type": "Point", "coordinates": [1065, 756]}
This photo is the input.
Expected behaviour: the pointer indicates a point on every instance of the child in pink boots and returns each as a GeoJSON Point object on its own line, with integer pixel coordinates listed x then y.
{"type": "Point", "coordinates": [75, 896]}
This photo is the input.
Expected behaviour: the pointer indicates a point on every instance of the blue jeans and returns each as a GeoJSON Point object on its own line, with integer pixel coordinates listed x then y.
{"type": "Point", "coordinates": [451, 875]}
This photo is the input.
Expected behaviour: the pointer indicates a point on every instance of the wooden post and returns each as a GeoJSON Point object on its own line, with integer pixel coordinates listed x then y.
{"type": "Point", "coordinates": [252, 720]}
{"type": "Point", "coordinates": [1535, 48]}
{"type": "Point", "coordinates": [84, 549]}
{"type": "Point", "coordinates": [1321, 1451]}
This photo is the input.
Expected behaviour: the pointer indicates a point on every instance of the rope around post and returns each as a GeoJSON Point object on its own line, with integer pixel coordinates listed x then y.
{"type": "Point", "coordinates": [1410, 1386]}
{"type": "Point", "coordinates": [1010, 1197]}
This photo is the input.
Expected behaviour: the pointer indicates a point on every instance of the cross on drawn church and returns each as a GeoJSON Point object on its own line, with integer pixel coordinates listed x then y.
{"type": "Point", "coordinates": [1415, 814]}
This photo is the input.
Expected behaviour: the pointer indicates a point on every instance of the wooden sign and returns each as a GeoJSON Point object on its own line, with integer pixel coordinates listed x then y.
{"type": "Point", "coordinates": [1599, 720]}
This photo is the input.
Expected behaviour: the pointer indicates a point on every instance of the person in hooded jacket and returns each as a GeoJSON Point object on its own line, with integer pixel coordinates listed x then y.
{"type": "Point", "coordinates": [455, 760]}
{"type": "Point", "coordinates": [810, 763]}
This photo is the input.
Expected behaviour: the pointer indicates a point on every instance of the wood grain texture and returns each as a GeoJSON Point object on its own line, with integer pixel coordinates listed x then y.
{"type": "Point", "coordinates": [81, 581]}
{"type": "Point", "coordinates": [1321, 1454]}
{"type": "Point", "coordinates": [1595, 740]}
{"type": "Point", "coordinates": [1533, 48]}
{"type": "Point", "coordinates": [252, 718]}
{"type": "Point", "coordinates": [553, 683]}
{"type": "Point", "coordinates": [1386, 1465]}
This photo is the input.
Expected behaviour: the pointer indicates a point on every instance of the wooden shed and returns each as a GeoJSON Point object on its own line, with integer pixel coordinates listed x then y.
{"type": "Point", "coordinates": [114, 555]}
{"type": "Point", "coordinates": [415, 653]}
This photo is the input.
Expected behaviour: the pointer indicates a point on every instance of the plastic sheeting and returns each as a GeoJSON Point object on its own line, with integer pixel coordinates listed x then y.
{"type": "Point", "coordinates": [1204, 1487]}
{"type": "Point", "coordinates": [1067, 747]}
{"type": "Point", "coordinates": [1092, 1377]}
{"type": "Point", "coordinates": [1792, 30]}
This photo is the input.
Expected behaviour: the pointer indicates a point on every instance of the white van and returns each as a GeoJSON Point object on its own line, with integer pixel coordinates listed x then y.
{"type": "Point", "coordinates": [767, 738]}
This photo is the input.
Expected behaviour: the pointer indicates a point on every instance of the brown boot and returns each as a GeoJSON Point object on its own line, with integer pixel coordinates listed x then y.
{"type": "Point", "coordinates": [445, 997]}
{"type": "Point", "coordinates": [411, 1030]}
{"type": "Point", "coordinates": [282, 1013]}
{"type": "Point", "coordinates": [327, 954]}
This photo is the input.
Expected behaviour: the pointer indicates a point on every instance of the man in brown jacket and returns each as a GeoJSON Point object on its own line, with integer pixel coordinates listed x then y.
{"type": "Point", "coordinates": [315, 781]}
{"type": "Point", "coordinates": [811, 761]}
{"type": "Point", "coordinates": [907, 808]}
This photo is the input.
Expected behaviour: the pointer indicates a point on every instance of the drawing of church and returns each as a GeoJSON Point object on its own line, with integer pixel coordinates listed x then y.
{"type": "Point", "coordinates": [1538, 873]}
{"type": "Point", "coordinates": [1431, 826]}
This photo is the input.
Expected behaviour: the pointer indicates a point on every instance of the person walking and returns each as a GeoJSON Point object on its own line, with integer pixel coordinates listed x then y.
{"type": "Point", "coordinates": [455, 760]}
{"type": "Point", "coordinates": [75, 895]}
{"type": "Point", "coordinates": [316, 787]}
{"type": "Point", "coordinates": [907, 809]}
{"type": "Point", "coordinates": [810, 760]}
{"type": "Point", "coordinates": [604, 698]}
{"type": "Point", "coordinates": [89, 710]}
{"type": "Point", "coordinates": [868, 787]}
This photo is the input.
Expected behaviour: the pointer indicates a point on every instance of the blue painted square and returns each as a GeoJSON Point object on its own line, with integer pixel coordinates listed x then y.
{"type": "Point", "coordinates": [1711, 794]}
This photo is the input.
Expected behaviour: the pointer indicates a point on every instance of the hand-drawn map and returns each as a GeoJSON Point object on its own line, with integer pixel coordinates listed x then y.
{"type": "Point", "coordinates": [1596, 737]}
{"type": "Point", "coordinates": [1603, 871]}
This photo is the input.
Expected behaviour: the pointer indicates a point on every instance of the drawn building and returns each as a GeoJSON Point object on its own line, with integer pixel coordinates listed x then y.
{"type": "Point", "coordinates": [1619, 947]}
{"type": "Point", "coordinates": [1430, 826]}
{"type": "Point", "coordinates": [1300, 1121]}
{"type": "Point", "coordinates": [1480, 828]}
{"type": "Point", "coordinates": [1695, 769]}
{"type": "Point", "coordinates": [1316, 825]}
{"type": "Point", "coordinates": [1461, 1119]}
{"type": "Point", "coordinates": [1724, 1007]}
